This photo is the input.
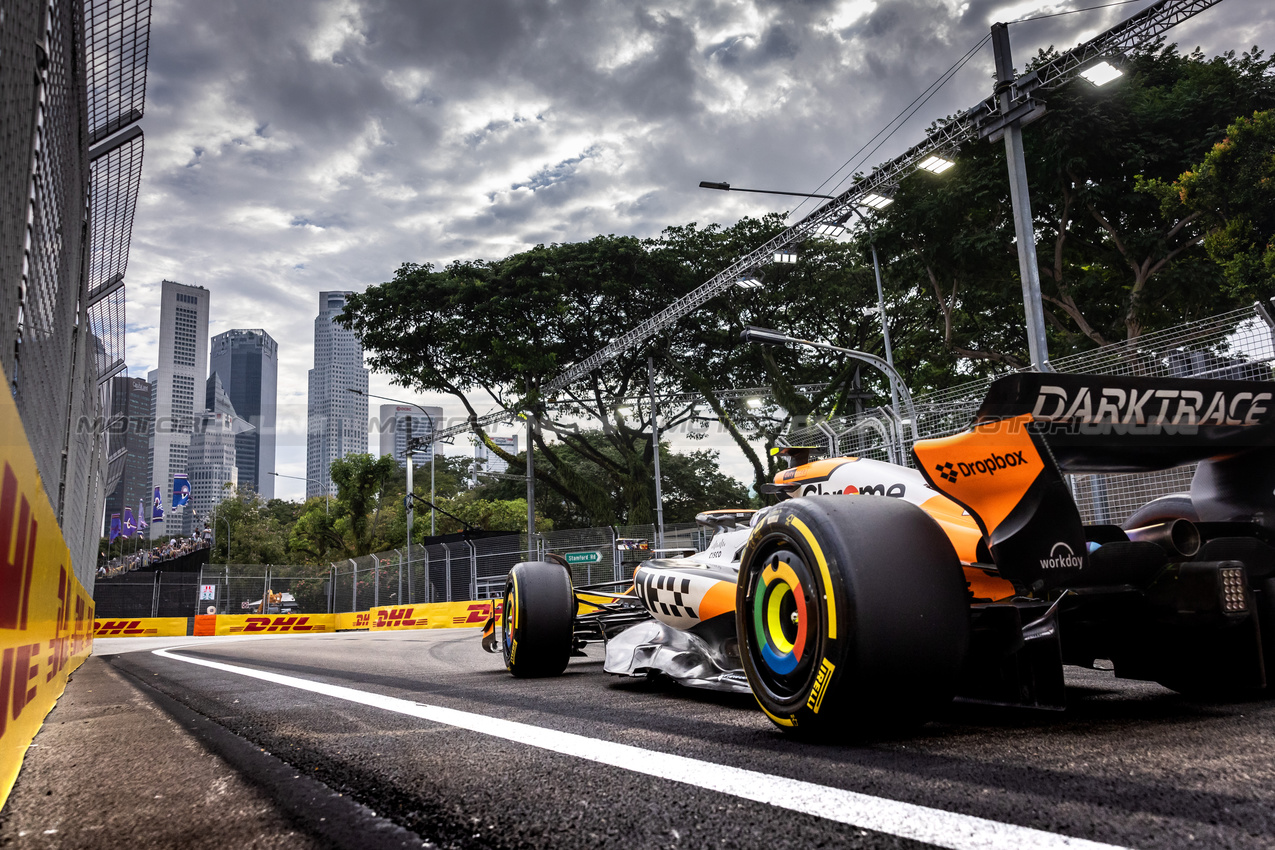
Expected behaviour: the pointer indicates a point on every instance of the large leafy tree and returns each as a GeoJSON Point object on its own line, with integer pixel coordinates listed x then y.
{"type": "Point", "coordinates": [690, 482]}
{"type": "Point", "coordinates": [359, 520]}
{"type": "Point", "coordinates": [1232, 193]}
{"type": "Point", "coordinates": [504, 329]}
{"type": "Point", "coordinates": [1111, 266]}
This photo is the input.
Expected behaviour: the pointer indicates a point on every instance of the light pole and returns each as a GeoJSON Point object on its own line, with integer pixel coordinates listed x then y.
{"type": "Point", "coordinates": [1020, 201]}
{"type": "Point", "coordinates": [327, 497]}
{"type": "Point", "coordinates": [883, 201]}
{"type": "Point", "coordinates": [433, 445]}
{"type": "Point", "coordinates": [226, 520]}
{"type": "Point", "coordinates": [655, 442]}
{"type": "Point", "coordinates": [768, 337]}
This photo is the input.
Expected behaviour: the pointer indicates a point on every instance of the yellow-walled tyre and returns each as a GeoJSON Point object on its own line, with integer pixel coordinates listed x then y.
{"type": "Point", "coordinates": [538, 621]}
{"type": "Point", "coordinates": [852, 614]}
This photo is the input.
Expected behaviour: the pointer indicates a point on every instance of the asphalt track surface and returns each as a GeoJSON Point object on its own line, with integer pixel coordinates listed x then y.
{"type": "Point", "coordinates": [649, 764]}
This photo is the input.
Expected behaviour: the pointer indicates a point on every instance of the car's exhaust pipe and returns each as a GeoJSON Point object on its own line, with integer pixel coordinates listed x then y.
{"type": "Point", "coordinates": [1178, 537]}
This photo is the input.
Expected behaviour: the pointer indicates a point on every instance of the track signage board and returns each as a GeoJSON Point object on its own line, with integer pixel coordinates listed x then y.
{"type": "Point", "coordinates": [594, 557]}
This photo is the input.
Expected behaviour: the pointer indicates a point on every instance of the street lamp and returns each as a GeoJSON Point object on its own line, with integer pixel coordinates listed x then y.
{"type": "Point", "coordinates": [766, 336]}
{"type": "Point", "coordinates": [433, 444]}
{"type": "Point", "coordinates": [937, 163]}
{"type": "Point", "coordinates": [327, 497]}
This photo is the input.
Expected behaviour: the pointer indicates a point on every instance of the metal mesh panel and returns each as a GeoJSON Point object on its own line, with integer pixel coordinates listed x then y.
{"type": "Point", "coordinates": [177, 595]}
{"type": "Point", "coordinates": [495, 557]}
{"type": "Point", "coordinates": [343, 588]}
{"type": "Point", "coordinates": [687, 535]}
{"type": "Point", "coordinates": [629, 558]}
{"type": "Point", "coordinates": [439, 575]}
{"type": "Point", "coordinates": [461, 571]}
{"type": "Point", "coordinates": [416, 575]}
{"type": "Point", "coordinates": [19, 35]}
{"type": "Point", "coordinates": [1237, 345]}
{"type": "Point", "coordinates": [118, 35]}
{"type": "Point", "coordinates": [132, 598]}
{"type": "Point", "coordinates": [577, 540]}
{"type": "Point", "coordinates": [84, 488]}
{"type": "Point", "coordinates": [54, 343]}
{"type": "Point", "coordinates": [242, 585]}
{"type": "Point", "coordinates": [50, 289]}
{"type": "Point", "coordinates": [115, 180]}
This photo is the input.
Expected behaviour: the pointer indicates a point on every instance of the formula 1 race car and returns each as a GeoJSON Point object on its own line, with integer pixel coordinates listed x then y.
{"type": "Point", "coordinates": [874, 594]}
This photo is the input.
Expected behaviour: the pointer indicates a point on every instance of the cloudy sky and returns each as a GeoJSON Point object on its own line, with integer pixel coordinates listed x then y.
{"type": "Point", "coordinates": [294, 146]}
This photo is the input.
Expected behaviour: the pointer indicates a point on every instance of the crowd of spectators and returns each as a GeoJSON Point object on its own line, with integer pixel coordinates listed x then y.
{"type": "Point", "coordinates": [176, 547]}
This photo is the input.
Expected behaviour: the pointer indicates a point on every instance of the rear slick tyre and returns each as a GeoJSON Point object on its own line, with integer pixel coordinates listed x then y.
{"type": "Point", "coordinates": [852, 614]}
{"type": "Point", "coordinates": [538, 621]}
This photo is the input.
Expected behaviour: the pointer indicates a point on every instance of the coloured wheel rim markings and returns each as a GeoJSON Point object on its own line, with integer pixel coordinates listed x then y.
{"type": "Point", "coordinates": [509, 617]}
{"type": "Point", "coordinates": [780, 617]}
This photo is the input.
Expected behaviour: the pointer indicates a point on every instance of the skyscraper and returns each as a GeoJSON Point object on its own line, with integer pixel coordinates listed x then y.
{"type": "Point", "coordinates": [336, 418]}
{"type": "Point", "coordinates": [485, 460]}
{"type": "Point", "coordinates": [177, 385]}
{"type": "Point", "coordinates": [213, 447]}
{"type": "Point", "coordinates": [247, 362]}
{"type": "Point", "coordinates": [400, 423]}
{"type": "Point", "coordinates": [128, 446]}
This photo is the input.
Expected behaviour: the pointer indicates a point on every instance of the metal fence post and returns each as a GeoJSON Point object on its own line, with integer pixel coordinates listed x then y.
{"type": "Point", "coordinates": [377, 566]}
{"type": "Point", "coordinates": [155, 594]}
{"type": "Point", "coordinates": [447, 570]}
{"type": "Point", "coordinates": [354, 583]}
{"type": "Point", "coordinates": [615, 554]}
{"type": "Point", "coordinates": [400, 577]}
{"type": "Point", "coordinates": [473, 569]}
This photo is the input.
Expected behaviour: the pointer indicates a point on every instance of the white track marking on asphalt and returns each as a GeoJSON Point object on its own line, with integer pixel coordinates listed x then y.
{"type": "Point", "coordinates": [905, 820]}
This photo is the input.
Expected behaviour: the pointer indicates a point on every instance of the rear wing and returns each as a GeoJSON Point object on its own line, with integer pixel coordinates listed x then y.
{"type": "Point", "coordinates": [1099, 423]}
{"type": "Point", "coordinates": [1007, 468]}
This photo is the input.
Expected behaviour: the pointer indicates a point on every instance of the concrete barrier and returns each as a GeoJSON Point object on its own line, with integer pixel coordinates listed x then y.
{"type": "Point", "coordinates": [46, 615]}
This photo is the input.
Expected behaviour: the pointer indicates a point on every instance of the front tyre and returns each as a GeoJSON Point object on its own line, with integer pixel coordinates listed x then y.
{"type": "Point", "coordinates": [852, 614]}
{"type": "Point", "coordinates": [538, 621]}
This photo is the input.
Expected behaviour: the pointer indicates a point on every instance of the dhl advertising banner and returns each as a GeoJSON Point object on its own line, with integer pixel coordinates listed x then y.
{"type": "Point", "coordinates": [265, 624]}
{"type": "Point", "coordinates": [144, 627]}
{"type": "Point", "coordinates": [433, 615]}
{"type": "Point", "coordinates": [356, 620]}
{"type": "Point", "coordinates": [46, 616]}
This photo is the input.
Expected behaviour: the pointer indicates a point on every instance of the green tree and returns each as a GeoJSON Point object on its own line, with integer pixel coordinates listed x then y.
{"type": "Point", "coordinates": [359, 520]}
{"type": "Point", "coordinates": [250, 530]}
{"type": "Point", "coordinates": [485, 515]}
{"type": "Point", "coordinates": [1111, 266]}
{"type": "Point", "coordinates": [505, 328]}
{"type": "Point", "coordinates": [690, 483]}
{"type": "Point", "coordinates": [1232, 192]}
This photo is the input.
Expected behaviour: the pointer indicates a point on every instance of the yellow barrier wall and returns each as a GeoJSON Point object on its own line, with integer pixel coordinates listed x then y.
{"type": "Point", "coordinates": [350, 622]}
{"type": "Point", "coordinates": [144, 627]}
{"type": "Point", "coordinates": [272, 624]}
{"type": "Point", "coordinates": [433, 615]}
{"type": "Point", "coordinates": [46, 616]}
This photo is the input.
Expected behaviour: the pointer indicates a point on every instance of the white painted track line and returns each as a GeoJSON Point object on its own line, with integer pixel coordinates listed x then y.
{"type": "Point", "coordinates": [906, 820]}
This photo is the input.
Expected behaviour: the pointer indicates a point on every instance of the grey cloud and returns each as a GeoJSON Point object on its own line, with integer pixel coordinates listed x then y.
{"type": "Point", "coordinates": [274, 170]}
